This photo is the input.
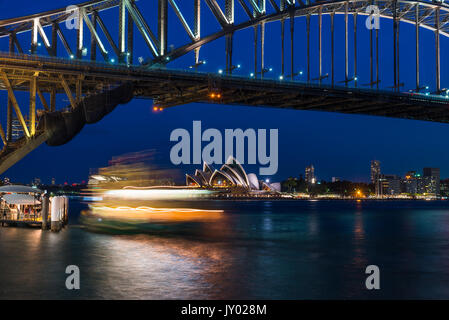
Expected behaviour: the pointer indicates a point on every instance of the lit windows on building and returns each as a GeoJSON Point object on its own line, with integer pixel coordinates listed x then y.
{"type": "Point", "coordinates": [310, 174]}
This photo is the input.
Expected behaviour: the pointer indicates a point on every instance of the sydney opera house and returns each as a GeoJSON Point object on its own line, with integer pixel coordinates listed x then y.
{"type": "Point", "coordinates": [231, 176]}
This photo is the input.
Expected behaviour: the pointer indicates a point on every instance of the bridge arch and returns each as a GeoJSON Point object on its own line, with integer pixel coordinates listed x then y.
{"type": "Point", "coordinates": [79, 75]}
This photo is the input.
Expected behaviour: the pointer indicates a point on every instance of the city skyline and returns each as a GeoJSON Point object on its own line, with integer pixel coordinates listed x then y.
{"type": "Point", "coordinates": [339, 144]}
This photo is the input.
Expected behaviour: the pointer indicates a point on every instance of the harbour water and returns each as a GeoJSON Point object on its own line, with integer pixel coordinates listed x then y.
{"type": "Point", "coordinates": [253, 250]}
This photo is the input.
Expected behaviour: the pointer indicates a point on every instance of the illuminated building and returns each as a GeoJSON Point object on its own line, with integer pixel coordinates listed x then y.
{"type": "Point", "coordinates": [432, 177]}
{"type": "Point", "coordinates": [444, 188]}
{"type": "Point", "coordinates": [429, 185]}
{"type": "Point", "coordinates": [375, 170]}
{"type": "Point", "coordinates": [410, 183]}
{"type": "Point", "coordinates": [391, 185]}
{"type": "Point", "coordinates": [36, 182]}
{"type": "Point", "coordinates": [310, 174]}
{"type": "Point", "coordinates": [230, 176]}
{"type": "Point", "coordinates": [376, 178]}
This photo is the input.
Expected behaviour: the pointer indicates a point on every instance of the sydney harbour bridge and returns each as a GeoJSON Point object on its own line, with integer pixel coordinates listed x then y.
{"type": "Point", "coordinates": [65, 68]}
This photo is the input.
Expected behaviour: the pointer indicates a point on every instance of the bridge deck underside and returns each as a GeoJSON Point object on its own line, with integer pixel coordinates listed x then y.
{"type": "Point", "coordinates": [170, 88]}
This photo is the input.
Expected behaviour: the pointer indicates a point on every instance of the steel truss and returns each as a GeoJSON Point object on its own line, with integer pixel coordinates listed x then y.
{"type": "Point", "coordinates": [71, 74]}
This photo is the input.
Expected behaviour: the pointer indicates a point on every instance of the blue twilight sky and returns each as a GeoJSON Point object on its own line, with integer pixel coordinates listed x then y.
{"type": "Point", "coordinates": [336, 144]}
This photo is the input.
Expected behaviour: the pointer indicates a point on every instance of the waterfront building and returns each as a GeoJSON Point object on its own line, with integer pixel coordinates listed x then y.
{"type": "Point", "coordinates": [375, 171]}
{"type": "Point", "coordinates": [433, 184]}
{"type": "Point", "coordinates": [230, 176]}
{"type": "Point", "coordinates": [429, 185]}
{"type": "Point", "coordinates": [310, 174]}
{"type": "Point", "coordinates": [410, 183]}
{"type": "Point", "coordinates": [391, 184]}
{"type": "Point", "coordinates": [444, 188]}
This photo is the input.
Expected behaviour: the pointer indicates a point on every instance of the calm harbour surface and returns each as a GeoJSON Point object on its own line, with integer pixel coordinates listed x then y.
{"type": "Point", "coordinates": [254, 250]}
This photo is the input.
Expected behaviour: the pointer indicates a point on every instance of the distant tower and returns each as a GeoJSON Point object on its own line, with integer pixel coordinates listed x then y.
{"type": "Point", "coordinates": [53, 181]}
{"type": "Point", "coordinates": [37, 181]}
{"type": "Point", "coordinates": [375, 170]}
{"type": "Point", "coordinates": [310, 174]}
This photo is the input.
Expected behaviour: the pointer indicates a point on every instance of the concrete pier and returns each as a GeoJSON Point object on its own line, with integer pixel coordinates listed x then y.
{"type": "Point", "coordinates": [56, 224]}
{"type": "Point", "coordinates": [45, 210]}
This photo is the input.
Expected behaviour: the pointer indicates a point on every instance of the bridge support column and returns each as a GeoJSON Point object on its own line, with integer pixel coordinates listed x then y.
{"type": "Point", "coordinates": [197, 28]}
{"type": "Point", "coordinates": [54, 40]}
{"type": "Point", "coordinates": [122, 31]}
{"type": "Point", "coordinates": [93, 44]}
{"type": "Point", "coordinates": [80, 35]}
{"type": "Point", "coordinates": [417, 45]}
{"type": "Point", "coordinates": [33, 87]}
{"type": "Point", "coordinates": [256, 34]}
{"type": "Point", "coordinates": [395, 47]}
{"type": "Point", "coordinates": [282, 47]}
{"type": "Point", "coordinates": [377, 59]}
{"type": "Point", "coordinates": [262, 50]}
{"type": "Point", "coordinates": [437, 49]}
{"type": "Point", "coordinates": [229, 52]}
{"type": "Point", "coordinates": [320, 22]}
{"type": "Point", "coordinates": [163, 26]}
{"type": "Point", "coordinates": [9, 119]}
{"type": "Point", "coordinates": [8, 100]}
{"type": "Point", "coordinates": [308, 47]}
{"type": "Point", "coordinates": [346, 44]}
{"type": "Point", "coordinates": [292, 43]}
{"type": "Point", "coordinates": [332, 47]}
{"type": "Point", "coordinates": [355, 50]}
{"type": "Point", "coordinates": [53, 99]}
{"type": "Point", "coordinates": [371, 68]}
{"type": "Point", "coordinates": [130, 53]}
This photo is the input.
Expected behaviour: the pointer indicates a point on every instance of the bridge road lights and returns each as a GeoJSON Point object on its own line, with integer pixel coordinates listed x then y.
{"type": "Point", "coordinates": [355, 79]}
{"type": "Point", "coordinates": [292, 76]}
{"type": "Point", "coordinates": [324, 76]}
{"type": "Point", "coordinates": [419, 89]}
{"type": "Point", "coordinates": [235, 67]}
{"type": "Point", "coordinates": [264, 70]}
{"type": "Point", "coordinates": [232, 68]}
{"type": "Point", "coordinates": [198, 64]}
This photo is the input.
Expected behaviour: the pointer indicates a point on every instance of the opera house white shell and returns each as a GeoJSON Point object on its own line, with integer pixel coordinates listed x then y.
{"type": "Point", "coordinates": [230, 175]}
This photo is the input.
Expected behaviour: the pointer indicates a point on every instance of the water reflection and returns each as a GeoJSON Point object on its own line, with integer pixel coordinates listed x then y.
{"type": "Point", "coordinates": [249, 250]}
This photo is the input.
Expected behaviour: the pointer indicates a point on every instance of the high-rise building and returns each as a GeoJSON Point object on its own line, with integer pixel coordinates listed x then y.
{"type": "Point", "coordinates": [433, 185]}
{"type": "Point", "coordinates": [375, 170]}
{"type": "Point", "coordinates": [428, 185]}
{"type": "Point", "coordinates": [391, 184]}
{"type": "Point", "coordinates": [410, 183]}
{"type": "Point", "coordinates": [310, 174]}
{"type": "Point", "coordinates": [335, 179]}
{"type": "Point", "coordinates": [444, 188]}
{"type": "Point", "coordinates": [53, 181]}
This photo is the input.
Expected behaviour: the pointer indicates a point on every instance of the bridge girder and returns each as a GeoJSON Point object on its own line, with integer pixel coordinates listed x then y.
{"type": "Point", "coordinates": [80, 76]}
